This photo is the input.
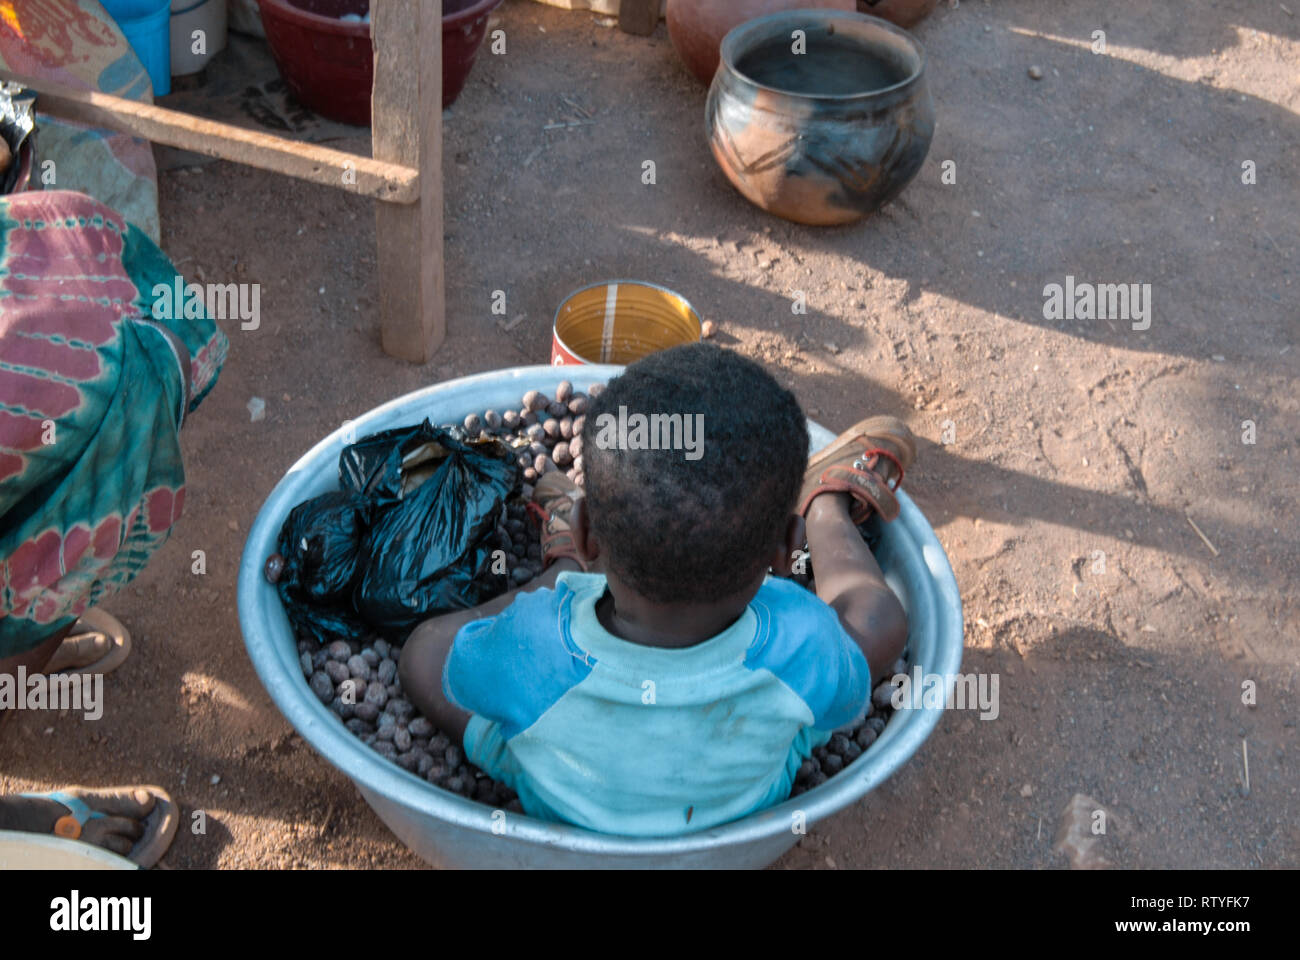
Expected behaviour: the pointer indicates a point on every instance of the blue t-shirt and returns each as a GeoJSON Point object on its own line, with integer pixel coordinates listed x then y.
{"type": "Point", "coordinates": [644, 741]}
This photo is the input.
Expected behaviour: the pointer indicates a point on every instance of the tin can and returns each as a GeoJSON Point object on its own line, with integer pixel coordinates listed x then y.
{"type": "Point", "coordinates": [619, 321]}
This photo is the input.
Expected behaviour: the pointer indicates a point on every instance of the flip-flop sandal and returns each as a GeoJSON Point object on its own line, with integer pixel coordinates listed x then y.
{"type": "Point", "coordinates": [555, 490]}
{"type": "Point", "coordinates": [861, 462]}
{"type": "Point", "coordinates": [159, 826]}
{"type": "Point", "coordinates": [98, 622]}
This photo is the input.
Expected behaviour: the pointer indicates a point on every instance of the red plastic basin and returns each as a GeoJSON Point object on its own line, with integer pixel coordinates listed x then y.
{"type": "Point", "coordinates": [330, 65]}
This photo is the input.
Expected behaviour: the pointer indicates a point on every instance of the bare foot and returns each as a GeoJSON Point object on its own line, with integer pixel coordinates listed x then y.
{"type": "Point", "coordinates": [123, 824]}
{"type": "Point", "coordinates": [79, 650]}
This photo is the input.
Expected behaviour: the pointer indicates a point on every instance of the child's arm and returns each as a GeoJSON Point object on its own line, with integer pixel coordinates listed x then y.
{"type": "Point", "coordinates": [425, 653]}
{"type": "Point", "coordinates": [850, 581]}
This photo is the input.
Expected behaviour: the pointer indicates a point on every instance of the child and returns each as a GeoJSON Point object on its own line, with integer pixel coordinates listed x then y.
{"type": "Point", "coordinates": [655, 680]}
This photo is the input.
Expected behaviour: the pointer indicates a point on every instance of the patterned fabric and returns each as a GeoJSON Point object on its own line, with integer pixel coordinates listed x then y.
{"type": "Point", "coordinates": [92, 394]}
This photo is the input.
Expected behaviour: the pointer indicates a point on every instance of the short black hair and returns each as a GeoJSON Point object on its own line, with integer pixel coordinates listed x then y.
{"type": "Point", "coordinates": [679, 529]}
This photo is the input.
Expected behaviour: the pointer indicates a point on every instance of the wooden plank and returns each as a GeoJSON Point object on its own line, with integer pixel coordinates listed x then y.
{"type": "Point", "coordinates": [638, 17]}
{"type": "Point", "coordinates": [406, 125]}
{"type": "Point", "coordinates": [395, 183]}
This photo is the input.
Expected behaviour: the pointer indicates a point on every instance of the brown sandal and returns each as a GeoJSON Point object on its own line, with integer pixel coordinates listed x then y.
{"type": "Point", "coordinates": [862, 461]}
{"type": "Point", "coordinates": [552, 505]}
{"type": "Point", "coordinates": [159, 824]}
{"type": "Point", "coordinates": [80, 643]}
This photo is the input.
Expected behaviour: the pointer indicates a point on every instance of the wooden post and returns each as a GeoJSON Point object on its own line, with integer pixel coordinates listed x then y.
{"type": "Point", "coordinates": [639, 17]}
{"type": "Point", "coordinates": [406, 128]}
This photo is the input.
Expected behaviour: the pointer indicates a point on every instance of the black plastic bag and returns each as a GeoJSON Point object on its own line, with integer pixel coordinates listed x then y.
{"type": "Point", "coordinates": [321, 542]}
{"type": "Point", "coordinates": [418, 510]}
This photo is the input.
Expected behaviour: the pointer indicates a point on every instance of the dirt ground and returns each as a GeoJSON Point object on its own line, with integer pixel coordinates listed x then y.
{"type": "Point", "coordinates": [1121, 672]}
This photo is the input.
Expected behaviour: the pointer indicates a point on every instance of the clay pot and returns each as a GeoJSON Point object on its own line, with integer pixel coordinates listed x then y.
{"type": "Point", "coordinates": [828, 135]}
{"type": "Point", "coordinates": [905, 13]}
{"type": "Point", "coordinates": [698, 26]}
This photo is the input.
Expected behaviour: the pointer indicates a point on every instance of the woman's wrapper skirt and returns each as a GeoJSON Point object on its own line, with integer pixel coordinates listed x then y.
{"type": "Point", "coordinates": [92, 396]}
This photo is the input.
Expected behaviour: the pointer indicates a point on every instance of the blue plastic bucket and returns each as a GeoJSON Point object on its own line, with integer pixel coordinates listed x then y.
{"type": "Point", "coordinates": [147, 27]}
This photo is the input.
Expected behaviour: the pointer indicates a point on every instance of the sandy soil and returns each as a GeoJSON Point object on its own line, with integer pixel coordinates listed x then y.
{"type": "Point", "coordinates": [1067, 438]}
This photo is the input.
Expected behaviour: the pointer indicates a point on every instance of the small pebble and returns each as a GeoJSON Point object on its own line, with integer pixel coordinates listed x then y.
{"type": "Point", "coordinates": [579, 422]}
{"type": "Point", "coordinates": [707, 329]}
{"type": "Point", "coordinates": [534, 401]}
{"type": "Point", "coordinates": [883, 695]}
{"type": "Point", "coordinates": [578, 405]}
{"type": "Point", "coordinates": [399, 707]}
{"type": "Point", "coordinates": [382, 648]}
{"type": "Point", "coordinates": [564, 392]}
{"type": "Point", "coordinates": [566, 428]}
{"type": "Point", "coordinates": [551, 428]}
{"type": "Point", "coordinates": [877, 724]}
{"type": "Point", "coordinates": [402, 739]}
{"type": "Point", "coordinates": [557, 409]}
{"type": "Point", "coordinates": [561, 454]}
{"type": "Point", "coordinates": [492, 420]}
{"type": "Point", "coordinates": [339, 650]}
{"type": "Point", "coordinates": [366, 711]}
{"type": "Point", "coordinates": [473, 424]}
{"type": "Point", "coordinates": [322, 686]}
{"type": "Point", "coordinates": [865, 737]}
{"type": "Point", "coordinates": [536, 432]}
{"type": "Point", "coordinates": [386, 671]}
{"type": "Point", "coordinates": [595, 390]}
{"type": "Point", "coordinates": [359, 667]}
{"type": "Point", "coordinates": [304, 661]}
{"type": "Point", "coordinates": [510, 420]}
{"type": "Point", "coordinates": [1035, 73]}
{"type": "Point", "coordinates": [274, 568]}
{"type": "Point", "coordinates": [376, 693]}
{"type": "Point", "coordinates": [453, 756]}
{"type": "Point", "coordinates": [338, 672]}
{"type": "Point", "coordinates": [420, 727]}
{"type": "Point", "coordinates": [833, 764]}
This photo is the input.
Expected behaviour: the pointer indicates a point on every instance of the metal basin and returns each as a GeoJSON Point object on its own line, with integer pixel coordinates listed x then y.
{"type": "Point", "coordinates": [448, 830]}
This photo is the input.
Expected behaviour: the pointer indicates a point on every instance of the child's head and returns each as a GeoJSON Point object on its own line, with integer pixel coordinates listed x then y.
{"type": "Point", "coordinates": [698, 521]}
